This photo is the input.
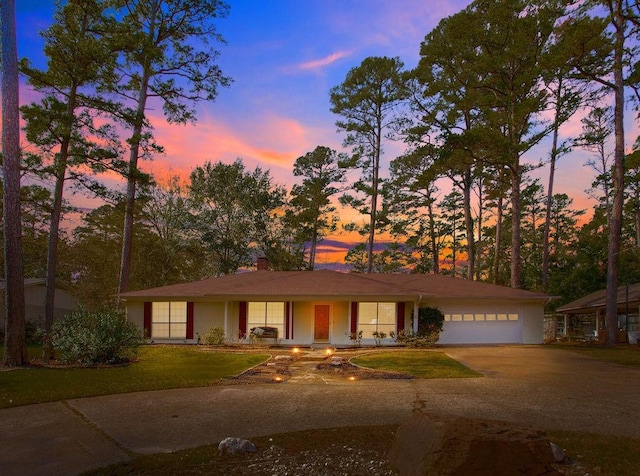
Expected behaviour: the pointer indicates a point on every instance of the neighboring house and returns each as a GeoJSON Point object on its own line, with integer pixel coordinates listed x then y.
{"type": "Point", "coordinates": [584, 317]}
{"type": "Point", "coordinates": [34, 294]}
{"type": "Point", "coordinates": [329, 307]}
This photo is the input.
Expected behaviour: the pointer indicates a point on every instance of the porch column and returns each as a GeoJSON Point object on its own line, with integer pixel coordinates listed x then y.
{"type": "Point", "coordinates": [416, 305]}
{"type": "Point", "coordinates": [597, 322]}
{"type": "Point", "coordinates": [226, 318]}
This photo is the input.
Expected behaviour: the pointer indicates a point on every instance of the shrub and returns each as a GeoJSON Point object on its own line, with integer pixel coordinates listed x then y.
{"type": "Point", "coordinates": [410, 339]}
{"type": "Point", "coordinates": [430, 319]}
{"type": "Point", "coordinates": [103, 336]}
{"type": "Point", "coordinates": [214, 336]}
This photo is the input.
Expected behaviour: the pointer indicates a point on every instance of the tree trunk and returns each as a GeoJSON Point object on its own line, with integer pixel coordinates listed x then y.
{"type": "Point", "coordinates": [516, 266]}
{"type": "Point", "coordinates": [374, 195]}
{"type": "Point", "coordinates": [434, 242]}
{"type": "Point", "coordinates": [615, 229]}
{"type": "Point", "coordinates": [479, 228]}
{"type": "Point", "coordinates": [54, 229]}
{"type": "Point", "coordinates": [468, 224]}
{"type": "Point", "coordinates": [134, 151]}
{"type": "Point", "coordinates": [15, 346]}
{"type": "Point", "coordinates": [313, 246]}
{"type": "Point", "coordinates": [547, 218]}
{"type": "Point", "coordinates": [498, 241]}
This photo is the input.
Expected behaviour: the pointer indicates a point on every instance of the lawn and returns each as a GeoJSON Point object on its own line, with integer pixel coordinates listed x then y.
{"type": "Point", "coordinates": [419, 363]}
{"type": "Point", "coordinates": [159, 368]}
{"type": "Point", "coordinates": [621, 354]}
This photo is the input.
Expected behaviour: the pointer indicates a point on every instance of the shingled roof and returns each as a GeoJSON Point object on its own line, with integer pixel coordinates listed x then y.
{"type": "Point", "coordinates": [598, 300]}
{"type": "Point", "coordinates": [332, 284]}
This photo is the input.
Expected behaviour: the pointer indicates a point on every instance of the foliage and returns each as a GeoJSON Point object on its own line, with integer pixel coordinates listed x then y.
{"type": "Point", "coordinates": [311, 213]}
{"type": "Point", "coordinates": [430, 319]}
{"type": "Point", "coordinates": [158, 368]}
{"type": "Point", "coordinates": [232, 210]}
{"type": "Point", "coordinates": [213, 336]}
{"type": "Point", "coordinates": [410, 339]}
{"type": "Point", "coordinates": [355, 336]}
{"type": "Point", "coordinates": [101, 337]}
{"type": "Point", "coordinates": [368, 100]}
{"type": "Point", "coordinates": [168, 58]}
{"type": "Point", "coordinates": [378, 337]}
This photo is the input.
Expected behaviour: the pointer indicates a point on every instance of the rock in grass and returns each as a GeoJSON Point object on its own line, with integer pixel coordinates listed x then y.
{"type": "Point", "coordinates": [236, 445]}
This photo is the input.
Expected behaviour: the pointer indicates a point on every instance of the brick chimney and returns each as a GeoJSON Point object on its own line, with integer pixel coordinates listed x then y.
{"type": "Point", "coordinates": [262, 264]}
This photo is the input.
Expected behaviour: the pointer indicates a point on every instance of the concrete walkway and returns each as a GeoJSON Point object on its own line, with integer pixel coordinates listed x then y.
{"type": "Point", "coordinates": [533, 386]}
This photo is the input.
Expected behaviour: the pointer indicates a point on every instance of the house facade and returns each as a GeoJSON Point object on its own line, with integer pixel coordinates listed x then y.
{"type": "Point", "coordinates": [584, 318]}
{"type": "Point", "coordinates": [328, 307]}
{"type": "Point", "coordinates": [35, 290]}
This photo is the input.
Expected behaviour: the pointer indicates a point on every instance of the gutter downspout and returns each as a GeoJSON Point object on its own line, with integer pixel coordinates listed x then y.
{"type": "Point", "coordinates": [415, 313]}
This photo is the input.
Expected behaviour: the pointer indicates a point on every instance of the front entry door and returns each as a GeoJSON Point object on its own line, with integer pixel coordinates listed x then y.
{"type": "Point", "coordinates": [321, 326]}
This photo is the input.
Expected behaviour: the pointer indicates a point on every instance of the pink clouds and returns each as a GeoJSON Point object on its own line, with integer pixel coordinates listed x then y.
{"type": "Point", "coordinates": [272, 142]}
{"type": "Point", "coordinates": [322, 62]}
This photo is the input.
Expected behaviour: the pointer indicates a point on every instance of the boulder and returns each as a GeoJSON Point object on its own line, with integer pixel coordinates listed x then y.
{"type": "Point", "coordinates": [236, 445]}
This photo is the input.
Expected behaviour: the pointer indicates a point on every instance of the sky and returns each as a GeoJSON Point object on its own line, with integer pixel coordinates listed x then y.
{"type": "Point", "coordinates": [284, 57]}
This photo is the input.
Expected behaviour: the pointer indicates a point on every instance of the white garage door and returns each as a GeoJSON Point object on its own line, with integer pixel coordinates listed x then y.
{"type": "Point", "coordinates": [482, 332]}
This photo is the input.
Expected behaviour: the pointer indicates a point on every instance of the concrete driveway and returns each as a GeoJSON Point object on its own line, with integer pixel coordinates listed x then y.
{"type": "Point", "coordinates": [532, 386]}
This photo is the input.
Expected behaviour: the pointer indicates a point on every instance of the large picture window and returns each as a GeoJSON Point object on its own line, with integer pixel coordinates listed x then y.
{"type": "Point", "coordinates": [266, 314]}
{"type": "Point", "coordinates": [376, 317]}
{"type": "Point", "coordinates": [169, 320]}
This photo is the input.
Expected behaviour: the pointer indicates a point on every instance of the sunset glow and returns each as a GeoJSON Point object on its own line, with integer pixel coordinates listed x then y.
{"type": "Point", "coordinates": [284, 58]}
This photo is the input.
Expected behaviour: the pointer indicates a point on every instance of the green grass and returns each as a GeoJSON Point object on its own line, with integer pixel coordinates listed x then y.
{"type": "Point", "coordinates": [159, 368]}
{"type": "Point", "coordinates": [621, 354]}
{"type": "Point", "coordinates": [419, 363]}
{"type": "Point", "coordinates": [613, 455]}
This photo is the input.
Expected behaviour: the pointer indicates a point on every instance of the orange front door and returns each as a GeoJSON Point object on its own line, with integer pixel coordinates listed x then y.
{"type": "Point", "coordinates": [321, 326]}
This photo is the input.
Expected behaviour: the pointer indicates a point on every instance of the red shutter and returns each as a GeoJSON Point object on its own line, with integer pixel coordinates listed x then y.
{"type": "Point", "coordinates": [147, 320]}
{"type": "Point", "coordinates": [399, 317]}
{"type": "Point", "coordinates": [287, 318]}
{"type": "Point", "coordinates": [354, 317]}
{"type": "Point", "coordinates": [189, 320]}
{"type": "Point", "coordinates": [242, 319]}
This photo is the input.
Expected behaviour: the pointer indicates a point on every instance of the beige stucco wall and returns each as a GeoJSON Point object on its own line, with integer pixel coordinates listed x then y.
{"type": "Point", "coordinates": [528, 329]}
{"type": "Point", "coordinates": [34, 296]}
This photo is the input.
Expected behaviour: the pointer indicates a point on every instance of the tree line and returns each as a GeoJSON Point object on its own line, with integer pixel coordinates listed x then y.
{"type": "Point", "coordinates": [493, 81]}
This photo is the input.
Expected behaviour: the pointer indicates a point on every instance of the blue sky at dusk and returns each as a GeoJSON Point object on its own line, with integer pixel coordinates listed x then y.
{"type": "Point", "coordinates": [284, 56]}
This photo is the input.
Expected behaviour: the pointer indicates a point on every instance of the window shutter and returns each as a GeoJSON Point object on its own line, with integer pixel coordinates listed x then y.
{"type": "Point", "coordinates": [400, 317]}
{"type": "Point", "coordinates": [354, 317]}
{"type": "Point", "coordinates": [147, 319]}
{"type": "Point", "coordinates": [287, 319]}
{"type": "Point", "coordinates": [242, 319]}
{"type": "Point", "coordinates": [189, 320]}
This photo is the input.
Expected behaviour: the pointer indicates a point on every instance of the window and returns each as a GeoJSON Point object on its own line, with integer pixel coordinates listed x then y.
{"type": "Point", "coordinates": [376, 317]}
{"type": "Point", "coordinates": [266, 314]}
{"type": "Point", "coordinates": [169, 320]}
